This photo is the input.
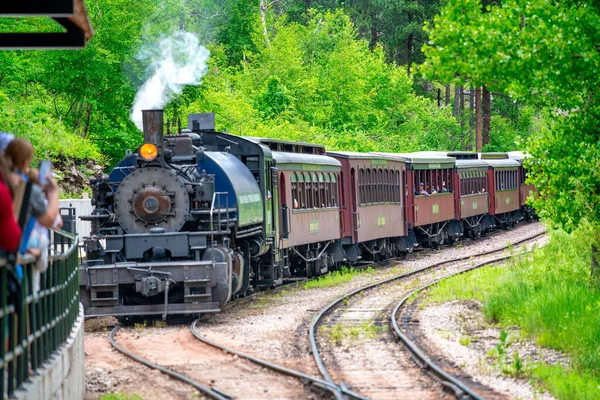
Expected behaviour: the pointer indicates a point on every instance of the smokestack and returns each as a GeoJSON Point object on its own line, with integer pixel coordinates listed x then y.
{"type": "Point", "coordinates": [152, 122]}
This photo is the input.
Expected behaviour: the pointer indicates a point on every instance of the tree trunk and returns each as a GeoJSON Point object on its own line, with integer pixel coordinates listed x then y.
{"type": "Point", "coordinates": [479, 124]}
{"type": "Point", "coordinates": [471, 115]}
{"type": "Point", "coordinates": [461, 108]}
{"type": "Point", "coordinates": [447, 94]}
{"type": "Point", "coordinates": [409, 49]}
{"type": "Point", "coordinates": [472, 108]}
{"type": "Point", "coordinates": [307, 3]}
{"type": "Point", "coordinates": [455, 109]}
{"type": "Point", "coordinates": [486, 108]}
{"type": "Point", "coordinates": [263, 19]}
{"type": "Point", "coordinates": [439, 97]}
{"type": "Point", "coordinates": [374, 36]}
{"type": "Point", "coordinates": [595, 268]}
{"type": "Point", "coordinates": [409, 45]}
{"type": "Point", "coordinates": [88, 114]}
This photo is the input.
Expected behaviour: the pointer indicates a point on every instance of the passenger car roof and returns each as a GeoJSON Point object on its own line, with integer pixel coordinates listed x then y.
{"type": "Point", "coordinates": [301, 161]}
{"type": "Point", "coordinates": [503, 163]}
{"type": "Point", "coordinates": [364, 156]}
{"type": "Point", "coordinates": [472, 164]}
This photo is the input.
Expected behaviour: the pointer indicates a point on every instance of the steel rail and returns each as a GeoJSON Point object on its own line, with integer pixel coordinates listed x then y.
{"type": "Point", "coordinates": [363, 265]}
{"type": "Point", "coordinates": [213, 393]}
{"type": "Point", "coordinates": [338, 391]}
{"type": "Point", "coordinates": [461, 391]}
{"type": "Point", "coordinates": [332, 305]}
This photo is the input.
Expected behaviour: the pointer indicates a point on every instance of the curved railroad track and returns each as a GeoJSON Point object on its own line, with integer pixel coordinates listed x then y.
{"type": "Point", "coordinates": [210, 392]}
{"type": "Point", "coordinates": [360, 366]}
{"type": "Point", "coordinates": [325, 386]}
{"type": "Point", "coordinates": [450, 382]}
{"type": "Point", "coordinates": [413, 255]}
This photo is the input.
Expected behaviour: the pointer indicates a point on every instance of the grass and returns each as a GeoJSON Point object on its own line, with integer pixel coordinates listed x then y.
{"type": "Point", "coordinates": [334, 278]}
{"type": "Point", "coordinates": [366, 330]}
{"type": "Point", "coordinates": [120, 396]}
{"type": "Point", "coordinates": [268, 299]}
{"type": "Point", "coordinates": [567, 384]}
{"type": "Point", "coordinates": [465, 341]}
{"type": "Point", "coordinates": [550, 296]}
{"type": "Point", "coordinates": [159, 323]}
{"type": "Point", "coordinates": [140, 326]}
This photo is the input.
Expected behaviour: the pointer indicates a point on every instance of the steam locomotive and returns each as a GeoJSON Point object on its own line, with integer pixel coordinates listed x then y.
{"type": "Point", "coordinates": [190, 221]}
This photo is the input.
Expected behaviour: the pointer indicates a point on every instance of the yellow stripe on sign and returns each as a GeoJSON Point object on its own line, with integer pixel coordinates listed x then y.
{"type": "Point", "coordinates": [381, 221]}
{"type": "Point", "coordinates": [436, 208]}
{"type": "Point", "coordinates": [474, 205]}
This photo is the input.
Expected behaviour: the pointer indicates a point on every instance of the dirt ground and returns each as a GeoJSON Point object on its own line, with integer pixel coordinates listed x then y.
{"type": "Point", "coordinates": [108, 371]}
{"type": "Point", "coordinates": [444, 325]}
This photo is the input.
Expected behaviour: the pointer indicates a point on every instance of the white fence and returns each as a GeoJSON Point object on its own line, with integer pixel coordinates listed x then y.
{"type": "Point", "coordinates": [82, 207]}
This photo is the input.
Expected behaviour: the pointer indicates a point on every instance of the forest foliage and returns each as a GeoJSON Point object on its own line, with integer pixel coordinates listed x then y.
{"type": "Point", "coordinates": [340, 74]}
{"type": "Point", "coordinates": [544, 53]}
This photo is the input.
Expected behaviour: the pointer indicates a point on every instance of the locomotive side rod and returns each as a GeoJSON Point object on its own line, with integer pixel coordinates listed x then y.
{"type": "Point", "coordinates": [328, 309]}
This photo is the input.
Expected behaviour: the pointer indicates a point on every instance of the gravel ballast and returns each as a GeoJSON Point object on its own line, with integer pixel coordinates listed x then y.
{"type": "Point", "coordinates": [275, 326]}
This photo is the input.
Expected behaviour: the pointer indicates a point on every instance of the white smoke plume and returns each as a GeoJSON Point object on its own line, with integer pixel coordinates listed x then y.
{"type": "Point", "coordinates": [175, 61]}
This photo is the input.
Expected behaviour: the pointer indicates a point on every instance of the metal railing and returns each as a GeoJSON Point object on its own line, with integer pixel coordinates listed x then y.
{"type": "Point", "coordinates": [36, 322]}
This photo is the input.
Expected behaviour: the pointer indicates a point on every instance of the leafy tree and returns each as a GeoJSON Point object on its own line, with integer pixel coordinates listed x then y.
{"type": "Point", "coordinates": [236, 32]}
{"type": "Point", "coordinates": [319, 82]}
{"type": "Point", "coordinates": [397, 25]}
{"type": "Point", "coordinates": [546, 54]}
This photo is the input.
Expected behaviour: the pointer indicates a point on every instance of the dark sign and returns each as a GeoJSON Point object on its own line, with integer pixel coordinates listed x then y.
{"type": "Point", "coordinates": [37, 7]}
{"type": "Point", "coordinates": [73, 19]}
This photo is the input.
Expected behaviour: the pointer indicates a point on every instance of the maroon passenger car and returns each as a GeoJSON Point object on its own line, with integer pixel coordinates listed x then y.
{"type": "Point", "coordinates": [503, 181]}
{"type": "Point", "coordinates": [473, 191]}
{"type": "Point", "coordinates": [372, 208]}
{"type": "Point", "coordinates": [309, 204]}
{"type": "Point", "coordinates": [430, 197]}
{"type": "Point", "coordinates": [526, 190]}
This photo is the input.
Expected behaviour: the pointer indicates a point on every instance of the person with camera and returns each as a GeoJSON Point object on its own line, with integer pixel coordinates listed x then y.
{"type": "Point", "coordinates": [19, 154]}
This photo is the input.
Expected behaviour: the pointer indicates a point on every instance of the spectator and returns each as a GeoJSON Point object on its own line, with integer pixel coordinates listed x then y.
{"type": "Point", "coordinates": [422, 190]}
{"type": "Point", "coordinates": [444, 189]}
{"type": "Point", "coordinates": [11, 232]}
{"type": "Point", "coordinates": [19, 154]}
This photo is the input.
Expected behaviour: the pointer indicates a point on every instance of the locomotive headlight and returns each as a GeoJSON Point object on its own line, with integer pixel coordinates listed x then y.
{"type": "Point", "coordinates": [148, 151]}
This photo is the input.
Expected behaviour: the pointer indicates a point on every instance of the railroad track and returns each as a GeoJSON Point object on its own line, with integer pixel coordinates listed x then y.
{"type": "Point", "coordinates": [417, 253]}
{"type": "Point", "coordinates": [210, 392]}
{"type": "Point", "coordinates": [459, 389]}
{"type": "Point", "coordinates": [340, 392]}
{"type": "Point", "coordinates": [376, 304]}
{"type": "Point", "coordinates": [327, 384]}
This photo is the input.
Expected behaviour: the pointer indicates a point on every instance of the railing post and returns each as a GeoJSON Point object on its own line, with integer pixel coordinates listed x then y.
{"type": "Point", "coordinates": [23, 358]}
{"type": "Point", "coordinates": [3, 324]}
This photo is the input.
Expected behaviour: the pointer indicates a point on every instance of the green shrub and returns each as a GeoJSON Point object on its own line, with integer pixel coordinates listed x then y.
{"type": "Point", "coordinates": [30, 117]}
{"type": "Point", "coordinates": [551, 297]}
